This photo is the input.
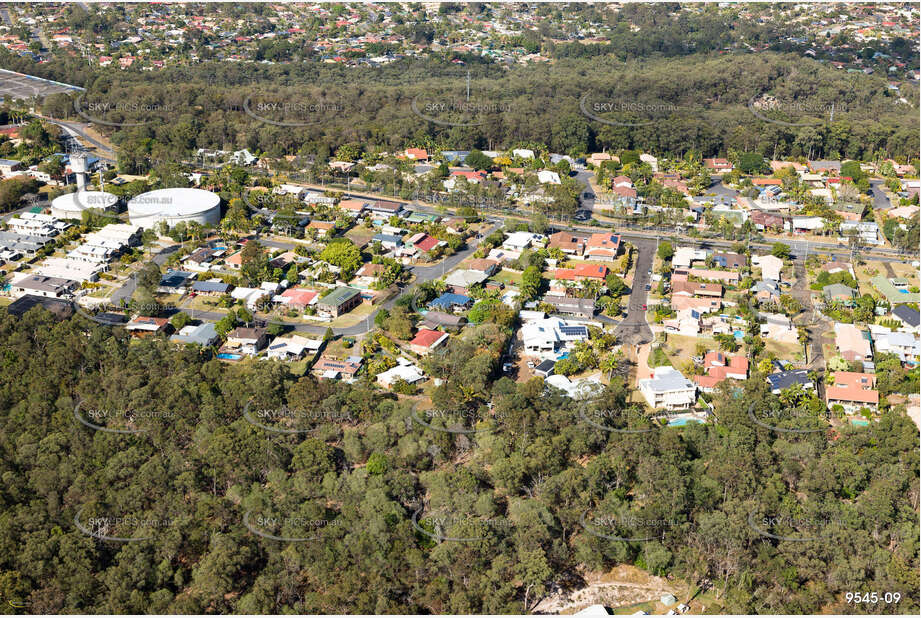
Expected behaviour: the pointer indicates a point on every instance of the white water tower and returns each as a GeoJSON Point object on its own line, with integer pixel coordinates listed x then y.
{"type": "Point", "coordinates": [78, 167]}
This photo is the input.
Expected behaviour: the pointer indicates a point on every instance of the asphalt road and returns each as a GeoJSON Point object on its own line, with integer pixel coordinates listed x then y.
{"type": "Point", "coordinates": [634, 329]}
{"type": "Point", "coordinates": [880, 201]}
{"type": "Point", "coordinates": [78, 129]}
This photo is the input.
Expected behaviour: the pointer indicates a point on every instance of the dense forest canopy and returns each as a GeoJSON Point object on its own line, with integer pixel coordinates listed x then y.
{"type": "Point", "coordinates": [372, 498]}
{"type": "Point", "coordinates": [666, 106]}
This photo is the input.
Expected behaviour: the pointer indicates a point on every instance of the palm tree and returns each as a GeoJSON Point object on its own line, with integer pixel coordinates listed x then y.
{"type": "Point", "coordinates": [803, 338]}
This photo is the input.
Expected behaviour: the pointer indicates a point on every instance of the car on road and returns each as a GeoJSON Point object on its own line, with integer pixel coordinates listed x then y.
{"type": "Point", "coordinates": [648, 287]}
{"type": "Point", "coordinates": [644, 307]}
{"type": "Point", "coordinates": [588, 195]}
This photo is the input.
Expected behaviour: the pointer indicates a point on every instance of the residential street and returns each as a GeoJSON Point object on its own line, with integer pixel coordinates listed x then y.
{"type": "Point", "coordinates": [634, 329]}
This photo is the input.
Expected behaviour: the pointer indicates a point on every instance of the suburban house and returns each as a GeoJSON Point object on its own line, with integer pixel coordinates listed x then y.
{"type": "Point", "coordinates": [388, 241]}
{"type": "Point", "coordinates": [904, 345]}
{"type": "Point", "coordinates": [568, 243]}
{"type": "Point", "coordinates": [909, 318]}
{"type": "Point", "coordinates": [730, 277]}
{"type": "Point", "coordinates": [719, 367]}
{"type": "Point", "coordinates": [852, 391]}
{"type": "Point", "coordinates": [386, 208]}
{"type": "Point", "coordinates": [299, 298]}
{"type": "Point", "coordinates": [340, 301]}
{"type": "Point", "coordinates": [567, 305]}
{"type": "Point", "coordinates": [294, 347]}
{"type": "Point", "coordinates": [896, 290]}
{"type": "Point", "coordinates": [323, 228]}
{"type": "Point", "coordinates": [728, 259]}
{"type": "Point", "coordinates": [465, 278]}
{"type": "Point", "coordinates": [685, 256]}
{"type": "Point", "coordinates": [681, 302]}
{"type": "Point", "coordinates": [766, 220]}
{"type": "Point", "coordinates": [143, 326]}
{"type": "Point", "coordinates": [404, 371]}
{"type": "Point", "coordinates": [247, 340]}
{"type": "Point", "coordinates": [825, 167]}
{"type": "Point", "coordinates": [334, 369]}
{"type": "Point", "coordinates": [687, 322]}
{"type": "Point", "coordinates": [771, 266]}
{"type": "Point", "coordinates": [682, 287]}
{"type": "Point", "coordinates": [669, 389]}
{"type": "Point", "coordinates": [838, 292]}
{"type": "Point", "coordinates": [426, 341]}
{"type": "Point", "coordinates": [367, 275]}
{"type": "Point", "coordinates": [423, 242]}
{"type": "Point", "coordinates": [545, 337]}
{"type": "Point", "coordinates": [767, 291]}
{"type": "Point", "coordinates": [582, 272]}
{"type": "Point", "coordinates": [40, 285]}
{"type": "Point", "coordinates": [718, 165]}
{"type": "Point", "coordinates": [519, 241]}
{"type": "Point", "coordinates": [416, 154]}
{"type": "Point", "coordinates": [778, 327]}
{"type": "Point", "coordinates": [602, 247]}
{"type": "Point", "coordinates": [434, 320]}
{"type": "Point", "coordinates": [451, 302]}
{"type": "Point", "coordinates": [783, 380]}
{"type": "Point", "coordinates": [203, 335]}
{"type": "Point", "coordinates": [852, 343]}
{"type": "Point", "coordinates": [353, 207]}
{"type": "Point", "coordinates": [211, 288]}
{"type": "Point", "coordinates": [483, 265]}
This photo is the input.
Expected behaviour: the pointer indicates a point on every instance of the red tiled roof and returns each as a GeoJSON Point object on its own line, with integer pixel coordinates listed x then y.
{"type": "Point", "coordinates": [426, 338]}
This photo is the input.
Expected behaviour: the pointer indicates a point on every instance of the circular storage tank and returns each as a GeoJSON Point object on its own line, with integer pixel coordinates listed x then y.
{"type": "Point", "coordinates": [175, 206]}
{"type": "Point", "coordinates": [72, 205]}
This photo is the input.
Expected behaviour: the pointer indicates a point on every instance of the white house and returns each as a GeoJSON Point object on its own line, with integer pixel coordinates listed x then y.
{"type": "Point", "coordinates": [523, 153]}
{"type": "Point", "coordinates": [519, 241]}
{"type": "Point", "coordinates": [770, 265]}
{"type": "Point", "coordinates": [685, 256]}
{"type": "Point", "coordinates": [668, 389]}
{"type": "Point", "coordinates": [408, 373]}
{"type": "Point", "coordinates": [548, 177]}
{"type": "Point", "coordinates": [545, 337]}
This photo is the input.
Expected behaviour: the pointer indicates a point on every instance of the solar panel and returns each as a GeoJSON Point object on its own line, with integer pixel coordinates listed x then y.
{"type": "Point", "coordinates": [573, 330]}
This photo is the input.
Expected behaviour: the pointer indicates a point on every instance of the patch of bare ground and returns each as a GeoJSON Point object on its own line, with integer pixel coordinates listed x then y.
{"type": "Point", "coordinates": [622, 585]}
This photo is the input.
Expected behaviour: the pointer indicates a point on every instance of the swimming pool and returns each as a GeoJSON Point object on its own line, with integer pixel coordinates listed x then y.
{"type": "Point", "coordinates": [681, 422]}
{"type": "Point", "coordinates": [859, 422]}
{"type": "Point", "coordinates": [226, 356]}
